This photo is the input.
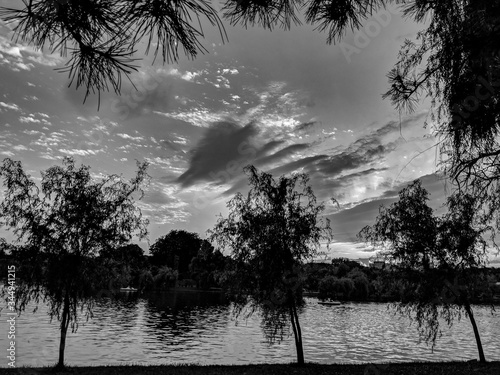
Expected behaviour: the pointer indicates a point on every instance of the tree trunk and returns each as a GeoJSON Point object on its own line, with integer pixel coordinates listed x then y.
{"type": "Point", "coordinates": [64, 330]}
{"type": "Point", "coordinates": [476, 333]}
{"type": "Point", "coordinates": [297, 332]}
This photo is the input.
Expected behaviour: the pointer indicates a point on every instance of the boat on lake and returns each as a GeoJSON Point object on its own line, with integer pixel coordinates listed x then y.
{"type": "Point", "coordinates": [128, 289]}
{"type": "Point", "coordinates": [330, 303]}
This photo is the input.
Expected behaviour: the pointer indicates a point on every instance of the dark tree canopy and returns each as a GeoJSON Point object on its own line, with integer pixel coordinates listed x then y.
{"type": "Point", "coordinates": [63, 227]}
{"type": "Point", "coordinates": [129, 253]}
{"type": "Point", "coordinates": [124, 264]}
{"type": "Point", "coordinates": [207, 267]}
{"type": "Point", "coordinates": [271, 233]}
{"type": "Point", "coordinates": [176, 250]}
{"type": "Point", "coordinates": [455, 62]}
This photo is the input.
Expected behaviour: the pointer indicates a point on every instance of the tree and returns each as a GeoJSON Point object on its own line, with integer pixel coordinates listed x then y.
{"type": "Point", "coordinates": [207, 266]}
{"type": "Point", "coordinates": [461, 77]}
{"type": "Point", "coordinates": [361, 283]}
{"type": "Point", "coordinates": [165, 278]}
{"type": "Point", "coordinates": [326, 287]}
{"type": "Point", "coordinates": [176, 250]}
{"type": "Point", "coordinates": [271, 233]}
{"type": "Point", "coordinates": [64, 226]}
{"type": "Point", "coordinates": [126, 262]}
{"type": "Point", "coordinates": [436, 257]}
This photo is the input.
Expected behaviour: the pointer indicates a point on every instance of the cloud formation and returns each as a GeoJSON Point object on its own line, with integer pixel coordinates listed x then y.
{"type": "Point", "coordinates": [224, 149]}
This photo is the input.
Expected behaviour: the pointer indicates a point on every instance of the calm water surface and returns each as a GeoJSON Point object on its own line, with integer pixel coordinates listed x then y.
{"type": "Point", "coordinates": [200, 328]}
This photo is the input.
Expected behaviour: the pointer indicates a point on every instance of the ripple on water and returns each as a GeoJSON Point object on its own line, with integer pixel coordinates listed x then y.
{"type": "Point", "coordinates": [145, 331]}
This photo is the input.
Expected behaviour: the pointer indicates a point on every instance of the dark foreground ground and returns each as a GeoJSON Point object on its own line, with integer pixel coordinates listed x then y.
{"type": "Point", "coordinates": [446, 368]}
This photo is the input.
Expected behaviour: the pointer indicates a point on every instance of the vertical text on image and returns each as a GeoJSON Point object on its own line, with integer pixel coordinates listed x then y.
{"type": "Point", "coordinates": [11, 315]}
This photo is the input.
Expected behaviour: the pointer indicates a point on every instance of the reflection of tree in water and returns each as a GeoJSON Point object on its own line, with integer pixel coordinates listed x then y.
{"type": "Point", "coordinates": [119, 314]}
{"type": "Point", "coordinates": [185, 318]}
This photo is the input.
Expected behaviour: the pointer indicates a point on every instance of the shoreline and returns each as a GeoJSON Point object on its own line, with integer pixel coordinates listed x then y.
{"type": "Point", "coordinates": [410, 368]}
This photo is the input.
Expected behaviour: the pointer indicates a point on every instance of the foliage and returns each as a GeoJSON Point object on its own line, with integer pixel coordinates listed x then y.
{"type": "Point", "coordinates": [165, 278]}
{"type": "Point", "coordinates": [435, 257]}
{"type": "Point", "coordinates": [176, 250]}
{"type": "Point", "coordinates": [361, 284]}
{"type": "Point", "coordinates": [461, 76]}
{"type": "Point", "coordinates": [125, 263]}
{"type": "Point", "coordinates": [271, 232]}
{"type": "Point", "coordinates": [336, 288]}
{"type": "Point", "coordinates": [207, 266]}
{"type": "Point", "coordinates": [101, 36]}
{"type": "Point", "coordinates": [145, 280]}
{"type": "Point", "coordinates": [326, 288]}
{"type": "Point", "coordinates": [64, 226]}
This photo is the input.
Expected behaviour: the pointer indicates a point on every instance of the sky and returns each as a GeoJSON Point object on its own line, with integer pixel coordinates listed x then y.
{"type": "Point", "coordinates": [282, 100]}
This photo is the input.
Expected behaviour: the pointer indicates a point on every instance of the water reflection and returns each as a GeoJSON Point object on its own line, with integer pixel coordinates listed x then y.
{"type": "Point", "coordinates": [200, 328]}
{"type": "Point", "coordinates": [178, 321]}
{"type": "Point", "coordinates": [369, 332]}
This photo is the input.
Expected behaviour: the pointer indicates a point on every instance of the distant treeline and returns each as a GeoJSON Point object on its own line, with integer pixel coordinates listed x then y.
{"type": "Point", "coordinates": [182, 259]}
{"type": "Point", "coordinates": [348, 280]}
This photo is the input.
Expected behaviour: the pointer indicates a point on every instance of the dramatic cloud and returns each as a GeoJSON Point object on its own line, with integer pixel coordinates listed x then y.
{"type": "Point", "coordinates": [220, 154]}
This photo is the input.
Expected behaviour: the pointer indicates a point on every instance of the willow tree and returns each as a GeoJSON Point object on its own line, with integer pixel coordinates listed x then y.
{"type": "Point", "coordinates": [271, 232]}
{"type": "Point", "coordinates": [436, 257]}
{"type": "Point", "coordinates": [461, 76]}
{"type": "Point", "coordinates": [63, 227]}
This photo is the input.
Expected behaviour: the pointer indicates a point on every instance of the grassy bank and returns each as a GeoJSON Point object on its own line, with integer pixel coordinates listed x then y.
{"type": "Point", "coordinates": [427, 368]}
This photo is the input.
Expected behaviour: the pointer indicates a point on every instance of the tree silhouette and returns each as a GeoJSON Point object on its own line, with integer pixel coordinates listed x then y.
{"type": "Point", "coordinates": [436, 257]}
{"type": "Point", "coordinates": [64, 226]}
{"type": "Point", "coordinates": [271, 233]}
{"type": "Point", "coordinates": [176, 250]}
{"type": "Point", "coordinates": [124, 264]}
{"type": "Point", "coordinates": [207, 267]}
{"type": "Point", "coordinates": [461, 76]}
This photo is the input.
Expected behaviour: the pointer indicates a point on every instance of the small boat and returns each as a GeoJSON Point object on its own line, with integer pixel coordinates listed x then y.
{"type": "Point", "coordinates": [128, 289]}
{"type": "Point", "coordinates": [330, 303]}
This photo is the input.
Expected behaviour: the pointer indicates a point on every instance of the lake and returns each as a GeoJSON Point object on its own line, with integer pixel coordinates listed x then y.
{"type": "Point", "coordinates": [198, 327]}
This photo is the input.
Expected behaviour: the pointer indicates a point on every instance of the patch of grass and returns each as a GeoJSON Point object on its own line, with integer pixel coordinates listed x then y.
{"type": "Point", "coordinates": [412, 368]}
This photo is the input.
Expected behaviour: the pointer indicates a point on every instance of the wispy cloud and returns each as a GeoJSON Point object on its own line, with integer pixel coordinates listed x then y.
{"type": "Point", "coordinates": [79, 152]}
{"type": "Point", "coordinates": [127, 136]}
{"type": "Point", "coordinates": [16, 56]}
{"type": "Point", "coordinates": [12, 106]}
